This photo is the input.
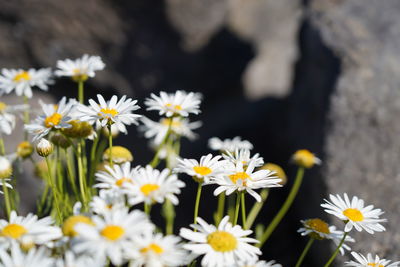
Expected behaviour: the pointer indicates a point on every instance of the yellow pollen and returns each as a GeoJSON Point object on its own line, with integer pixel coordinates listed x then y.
{"type": "Point", "coordinates": [112, 232]}
{"type": "Point", "coordinates": [177, 107]}
{"type": "Point", "coordinates": [222, 241]}
{"type": "Point", "coordinates": [13, 230]}
{"type": "Point", "coordinates": [148, 188]}
{"type": "Point", "coordinates": [353, 214]}
{"type": "Point", "coordinates": [79, 75]}
{"type": "Point", "coordinates": [69, 224]}
{"type": "Point", "coordinates": [121, 181]}
{"type": "Point", "coordinates": [52, 120]}
{"type": "Point", "coordinates": [318, 225]}
{"type": "Point", "coordinates": [152, 247]}
{"type": "Point", "coordinates": [167, 121]}
{"type": "Point", "coordinates": [239, 175]}
{"type": "Point", "coordinates": [108, 113]}
{"type": "Point", "coordinates": [202, 170]}
{"type": "Point", "coordinates": [375, 264]}
{"type": "Point", "coordinates": [24, 75]}
{"type": "Point", "coordinates": [3, 106]}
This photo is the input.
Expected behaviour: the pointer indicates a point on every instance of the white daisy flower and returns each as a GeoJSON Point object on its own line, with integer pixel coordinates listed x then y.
{"type": "Point", "coordinates": [354, 214]}
{"type": "Point", "coordinates": [115, 177]}
{"type": "Point", "coordinates": [243, 156]}
{"type": "Point", "coordinates": [23, 81]}
{"type": "Point", "coordinates": [245, 179]}
{"type": "Point", "coordinates": [107, 200]}
{"type": "Point", "coordinates": [110, 112]}
{"type": "Point", "coordinates": [208, 168]}
{"type": "Point", "coordinates": [33, 258]}
{"type": "Point", "coordinates": [18, 228]}
{"type": "Point", "coordinates": [180, 103]}
{"type": "Point", "coordinates": [257, 263]}
{"type": "Point", "coordinates": [79, 69]}
{"type": "Point", "coordinates": [111, 234]}
{"type": "Point", "coordinates": [7, 116]}
{"type": "Point", "coordinates": [55, 117]}
{"type": "Point", "coordinates": [319, 229]}
{"type": "Point", "coordinates": [229, 144]}
{"type": "Point", "coordinates": [222, 246]}
{"type": "Point", "coordinates": [72, 260]}
{"type": "Point", "coordinates": [158, 130]}
{"type": "Point", "coordinates": [153, 249]}
{"type": "Point", "coordinates": [370, 261]}
{"type": "Point", "coordinates": [151, 186]}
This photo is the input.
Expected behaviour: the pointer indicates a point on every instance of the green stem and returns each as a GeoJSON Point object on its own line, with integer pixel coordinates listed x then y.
{"type": "Point", "coordinates": [147, 209]}
{"type": "Point", "coordinates": [220, 209]}
{"type": "Point", "coordinates": [26, 116]}
{"type": "Point", "coordinates": [93, 162]}
{"type": "Point", "coordinates": [110, 145]}
{"type": "Point", "coordinates": [237, 209]}
{"type": "Point", "coordinates": [169, 217]}
{"type": "Point", "coordinates": [80, 92]}
{"type": "Point", "coordinates": [70, 172]}
{"type": "Point", "coordinates": [305, 251]}
{"type": "Point", "coordinates": [154, 162]}
{"type": "Point", "coordinates": [81, 175]}
{"type": "Point", "coordinates": [2, 148]}
{"type": "Point", "coordinates": [54, 188]}
{"type": "Point", "coordinates": [336, 250]}
{"type": "Point", "coordinates": [243, 204]}
{"type": "Point", "coordinates": [6, 198]}
{"type": "Point", "coordinates": [255, 210]}
{"type": "Point", "coordinates": [285, 207]}
{"type": "Point", "coordinates": [197, 204]}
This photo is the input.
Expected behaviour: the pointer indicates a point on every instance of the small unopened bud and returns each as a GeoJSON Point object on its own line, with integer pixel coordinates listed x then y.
{"type": "Point", "coordinates": [5, 168]}
{"type": "Point", "coordinates": [278, 171]}
{"type": "Point", "coordinates": [306, 159]}
{"type": "Point", "coordinates": [78, 129]}
{"type": "Point", "coordinates": [60, 140]}
{"type": "Point", "coordinates": [119, 155]}
{"type": "Point", "coordinates": [24, 149]}
{"type": "Point", "coordinates": [114, 131]}
{"type": "Point", "coordinates": [44, 148]}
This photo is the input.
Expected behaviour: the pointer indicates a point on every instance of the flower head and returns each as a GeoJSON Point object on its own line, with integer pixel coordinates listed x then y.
{"type": "Point", "coordinates": [33, 258]}
{"type": "Point", "coordinates": [5, 168]}
{"type": "Point", "coordinates": [113, 112]}
{"type": "Point", "coordinates": [305, 159]}
{"type": "Point", "coordinates": [229, 144]}
{"type": "Point", "coordinates": [79, 69]}
{"type": "Point", "coordinates": [354, 214]}
{"type": "Point", "coordinates": [370, 261]}
{"type": "Point", "coordinates": [119, 155]}
{"type": "Point", "coordinates": [180, 103]}
{"type": "Point", "coordinates": [22, 81]}
{"type": "Point", "coordinates": [222, 246]}
{"type": "Point", "coordinates": [117, 176]}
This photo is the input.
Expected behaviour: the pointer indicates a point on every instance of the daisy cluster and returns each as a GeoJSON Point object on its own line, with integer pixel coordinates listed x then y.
{"type": "Point", "coordinates": [97, 207]}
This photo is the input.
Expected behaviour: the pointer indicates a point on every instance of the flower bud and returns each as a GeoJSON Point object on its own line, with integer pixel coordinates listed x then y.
{"type": "Point", "coordinates": [78, 129]}
{"type": "Point", "coordinates": [114, 131]}
{"type": "Point", "coordinates": [306, 159]}
{"type": "Point", "coordinates": [5, 168]}
{"type": "Point", "coordinates": [24, 149]}
{"type": "Point", "coordinates": [278, 171]}
{"type": "Point", "coordinates": [60, 140]}
{"type": "Point", "coordinates": [44, 148]}
{"type": "Point", "coordinates": [119, 155]}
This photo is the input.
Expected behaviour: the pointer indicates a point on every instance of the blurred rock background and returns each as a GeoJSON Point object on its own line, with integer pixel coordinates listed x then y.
{"type": "Point", "coordinates": [287, 74]}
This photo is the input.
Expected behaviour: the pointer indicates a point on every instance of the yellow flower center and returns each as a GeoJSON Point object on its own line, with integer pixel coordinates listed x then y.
{"type": "Point", "coordinates": [108, 113]}
{"type": "Point", "coordinates": [121, 181]}
{"type": "Point", "coordinates": [79, 75]}
{"type": "Point", "coordinates": [222, 241]}
{"type": "Point", "coordinates": [318, 225]}
{"type": "Point", "coordinates": [22, 76]}
{"type": "Point", "coordinates": [174, 123]}
{"type": "Point", "coordinates": [13, 230]}
{"type": "Point", "coordinates": [375, 264]}
{"type": "Point", "coordinates": [69, 224]}
{"type": "Point", "coordinates": [52, 120]}
{"type": "Point", "coordinates": [3, 106]}
{"type": "Point", "coordinates": [152, 247]}
{"type": "Point", "coordinates": [353, 214]}
{"type": "Point", "coordinates": [112, 232]}
{"type": "Point", "coordinates": [177, 107]}
{"type": "Point", "coordinates": [202, 170]}
{"type": "Point", "coordinates": [148, 188]}
{"type": "Point", "coordinates": [304, 158]}
{"type": "Point", "coordinates": [239, 175]}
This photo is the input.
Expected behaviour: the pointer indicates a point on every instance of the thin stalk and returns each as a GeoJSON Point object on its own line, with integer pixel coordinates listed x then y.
{"type": "Point", "coordinates": [237, 209]}
{"type": "Point", "coordinates": [93, 159]}
{"type": "Point", "coordinates": [147, 209]}
{"type": "Point", "coordinates": [255, 210]}
{"type": "Point", "coordinates": [2, 148]}
{"type": "Point", "coordinates": [154, 162]}
{"type": "Point", "coordinates": [6, 198]}
{"type": "Point", "coordinates": [43, 200]}
{"type": "Point", "coordinates": [197, 204]}
{"type": "Point", "coordinates": [81, 176]}
{"type": "Point", "coordinates": [80, 92]}
{"type": "Point", "coordinates": [332, 258]}
{"type": "Point", "coordinates": [110, 145]}
{"type": "Point", "coordinates": [169, 217]}
{"type": "Point", "coordinates": [285, 207]}
{"type": "Point", "coordinates": [221, 208]}
{"type": "Point", "coordinates": [243, 204]}
{"type": "Point", "coordinates": [70, 173]}
{"type": "Point", "coordinates": [54, 188]}
{"type": "Point", "coordinates": [26, 116]}
{"type": "Point", "coordinates": [305, 251]}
